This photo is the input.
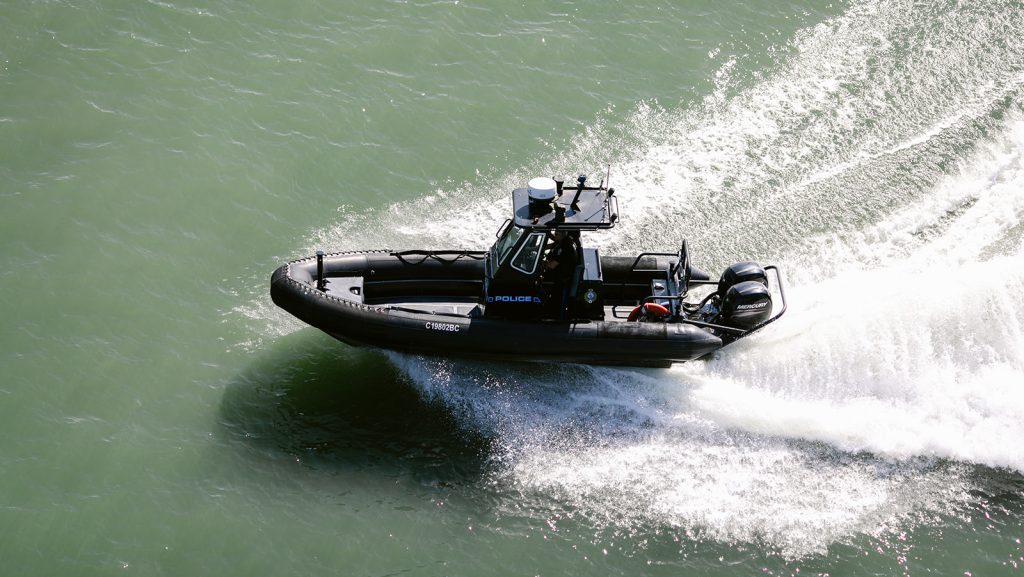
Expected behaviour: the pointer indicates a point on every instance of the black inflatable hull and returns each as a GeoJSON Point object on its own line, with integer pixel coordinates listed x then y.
{"type": "Point", "coordinates": [428, 306]}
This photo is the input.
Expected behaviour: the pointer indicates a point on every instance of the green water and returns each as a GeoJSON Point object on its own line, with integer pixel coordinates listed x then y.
{"type": "Point", "coordinates": [160, 417]}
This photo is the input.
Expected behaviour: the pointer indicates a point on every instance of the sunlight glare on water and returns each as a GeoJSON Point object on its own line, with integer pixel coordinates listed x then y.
{"type": "Point", "coordinates": [903, 345]}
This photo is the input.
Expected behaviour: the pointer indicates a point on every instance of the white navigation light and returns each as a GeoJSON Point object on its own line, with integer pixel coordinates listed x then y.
{"type": "Point", "coordinates": [541, 189]}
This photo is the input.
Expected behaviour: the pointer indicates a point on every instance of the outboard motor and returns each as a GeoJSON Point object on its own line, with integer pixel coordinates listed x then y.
{"type": "Point", "coordinates": [746, 300]}
{"type": "Point", "coordinates": [746, 305]}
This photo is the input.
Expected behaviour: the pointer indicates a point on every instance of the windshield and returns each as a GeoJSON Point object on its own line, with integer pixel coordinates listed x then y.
{"type": "Point", "coordinates": [527, 257]}
{"type": "Point", "coordinates": [505, 244]}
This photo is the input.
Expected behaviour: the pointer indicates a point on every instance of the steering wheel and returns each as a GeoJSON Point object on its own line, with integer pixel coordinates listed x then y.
{"type": "Point", "coordinates": [684, 263]}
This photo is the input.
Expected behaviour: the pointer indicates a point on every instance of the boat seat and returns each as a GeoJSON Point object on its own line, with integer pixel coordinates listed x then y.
{"type": "Point", "coordinates": [680, 273]}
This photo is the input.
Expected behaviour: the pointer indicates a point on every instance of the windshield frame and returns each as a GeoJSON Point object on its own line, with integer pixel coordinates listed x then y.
{"type": "Point", "coordinates": [537, 246]}
{"type": "Point", "coordinates": [507, 240]}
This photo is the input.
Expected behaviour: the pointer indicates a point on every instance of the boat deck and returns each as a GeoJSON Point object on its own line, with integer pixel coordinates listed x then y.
{"type": "Point", "coordinates": [351, 289]}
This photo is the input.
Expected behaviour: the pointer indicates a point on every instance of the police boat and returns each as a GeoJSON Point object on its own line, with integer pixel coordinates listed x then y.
{"type": "Point", "coordinates": [536, 294]}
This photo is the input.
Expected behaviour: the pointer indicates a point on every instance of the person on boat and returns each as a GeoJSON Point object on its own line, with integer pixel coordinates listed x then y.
{"type": "Point", "coordinates": [559, 266]}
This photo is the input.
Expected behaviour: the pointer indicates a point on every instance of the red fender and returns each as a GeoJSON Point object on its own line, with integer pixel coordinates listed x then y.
{"type": "Point", "coordinates": [650, 310]}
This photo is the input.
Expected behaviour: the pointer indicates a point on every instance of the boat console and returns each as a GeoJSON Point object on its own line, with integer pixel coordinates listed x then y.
{"type": "Point", "coordinates": [516, 284]}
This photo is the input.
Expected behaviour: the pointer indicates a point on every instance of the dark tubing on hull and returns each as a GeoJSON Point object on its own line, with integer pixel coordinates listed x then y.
{"type": "Point", "coordinates": [587, 342]}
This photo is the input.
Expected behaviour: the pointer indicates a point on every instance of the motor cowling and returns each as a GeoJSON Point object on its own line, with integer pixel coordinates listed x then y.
{"type": "Point", "coordinates": [741, 272]}
{"type": "Point", "coordinates": [746, 305]}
